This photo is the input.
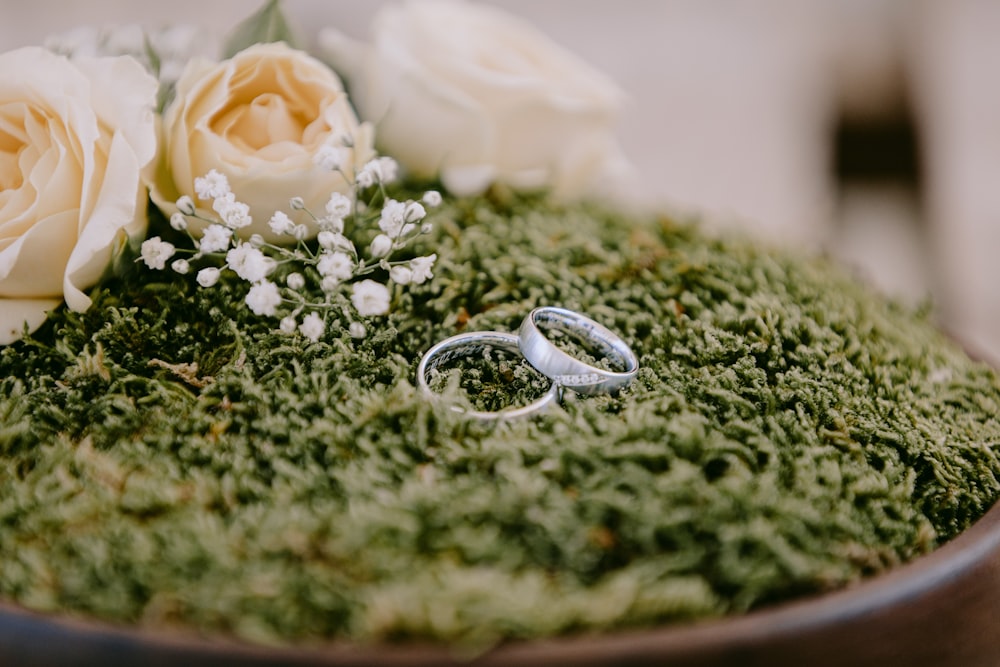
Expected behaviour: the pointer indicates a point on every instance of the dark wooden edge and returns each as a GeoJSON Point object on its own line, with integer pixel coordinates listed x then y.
{"type": "Point", "coordinates": [940, 609]}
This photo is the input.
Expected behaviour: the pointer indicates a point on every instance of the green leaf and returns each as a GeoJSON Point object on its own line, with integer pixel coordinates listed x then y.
{"type": "Point", "coordinates": [266, 26]}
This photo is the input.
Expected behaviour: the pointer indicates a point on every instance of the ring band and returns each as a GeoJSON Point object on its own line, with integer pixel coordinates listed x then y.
{"type": "Point", "coordinates": [563, 368]}
{"type": "Point", "coordinates": [466, 344]}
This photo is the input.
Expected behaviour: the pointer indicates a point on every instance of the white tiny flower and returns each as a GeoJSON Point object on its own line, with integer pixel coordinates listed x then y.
{"type": "Point", "coordinates": [235, 214]}
{"type": "Point", "coordinates": [335, 241]}
{"type": "Point", "coordinates": [312, 327]}
{"type": "Point", "coordinates": [181, 266]}
{"type": "Point", "coordinates": [370, 174]}
{"type": "Point", "coordinates": [249, 263]}
{"type": "Point", "coordinates": [330, 157]}
{"type": "Point", "coordinates": [421, 267]}
{"type": "Point", "coordinates": [336, 265]}
{"type": "Point", "coordinates": [208, 276]}
{"type": "Point", "coordinates": [295, 281]}
{"type": "Point", "coordinates": [256, 240]}
{"type": "Point", "coordinates": [212, 185]}
{"type": "Point", "coordinates": [215, 239]}
{"type": "Point", "coordinates": [263, 298]}
{"type": "Point", "coordinates": [328, 224]}
{"type": "Point", "coordinates": [178, 221]}
{"type": "Point", "coordinates": [393, 218]}
{"type": "Point", "coordinates": [124, 40]}
{"type": "Point", "coordinates": [432, 198]}
{"type": "Point", "coordinates": [300, 232]}
{"type": "Point", "coordinates": [329, 284]}
{"type": "Point", "coordinates": [297, 203]}
{"type": "Point", "coordinates": [288, 325]}
{"type": "Point", "coordinates": [280, 223]}
{"type": "Point", "coordinates": [402, 275]}
{"type": "Point", "coordinates": [414, 212]}
{"type": "Point", "coordinates": [155, 252]}
{"type": "Point", "coordinates": [186, 205]}
{"type": "Point", "coordinates": [79, 41]}
{"type": "Point", "coordinates": [356, 330]}
{"type": "Point", "coordinates": [327, 239]}
{"type": "Point", "coordinates": [171, 70]}
{"type": "Point", "coordinates": [370, 298]}
{"type": "Point", "coordinates": [388, 168]}
{"type": "Point", "coordinates": [339, 206]}
{"type": "Point", "coordinates": [426, 228]}
{"type": "Point", "coordinates": [381, 246]}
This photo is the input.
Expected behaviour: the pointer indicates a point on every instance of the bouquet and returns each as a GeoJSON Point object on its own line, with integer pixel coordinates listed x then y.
{"type": "Point", "coordinates": [260, 164]}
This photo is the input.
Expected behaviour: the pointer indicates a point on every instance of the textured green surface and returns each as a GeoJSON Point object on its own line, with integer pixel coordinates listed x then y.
{"type": "Point", "coordinates": [787, 434]}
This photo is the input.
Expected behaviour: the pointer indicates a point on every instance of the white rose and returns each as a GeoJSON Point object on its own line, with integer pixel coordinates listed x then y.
{"type": "Point", "coordinates": [474, 95]}
{"type": "Point", "coordinates": [74, 138]}
{"type": "Point", "coordinates": [258, 119]}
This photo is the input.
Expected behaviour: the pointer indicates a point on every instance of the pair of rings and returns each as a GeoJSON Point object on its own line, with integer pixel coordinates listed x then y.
{"type": "Point", "coordinates": [564, 370]}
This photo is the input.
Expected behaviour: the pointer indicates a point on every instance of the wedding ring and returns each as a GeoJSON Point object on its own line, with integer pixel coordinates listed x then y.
{"type": "Point", "coordinates": [566, 370]}
{"type": "Point", "coordinates": [479, 343]}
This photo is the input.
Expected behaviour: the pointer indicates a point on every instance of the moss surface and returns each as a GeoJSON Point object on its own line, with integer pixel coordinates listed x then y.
{"type": "Point", "coordinates": [166, 459]}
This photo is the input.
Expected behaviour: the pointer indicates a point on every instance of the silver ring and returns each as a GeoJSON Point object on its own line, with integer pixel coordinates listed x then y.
{"type": "Point", "coordinates": [476, 342]}
{"type": "Point", "coordinates": [565, 369]}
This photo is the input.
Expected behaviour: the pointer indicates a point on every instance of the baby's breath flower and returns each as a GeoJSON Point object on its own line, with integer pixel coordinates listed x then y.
{"type": "Point", "coordinates": [235, 214]}
{"type": "Point", "coordinates": [336, 261]}
{"type": "Point", "coordinates": [414, 212]}
{"type": "Point", "coordinates": [426, 228]}
{"type": "Point", "coordinates": [155, 252]}
{"type": "Point", "coordinates": [178, 221]}
{"type": "Point", "coordinates": [393, 218]}
{"type": "Point", "coordinates": [208, 276]}
{"type": "Point", "coordinates": [432, 198]}
{"type": "Point", "coordinates": [329, 284]}
{"type": "Point", "coordinates": [212, 185]}
{"type": "Point", "coordinates": [336, 265]}
{"type": "Point", "coordinates": [370, 174]}
{"type": "Point", "coordinates": [401, 275]}
{"type": "Point", "coordinates": [280, 223]}
{"type": "Point", "coordinates": [312, 327]}
{"type": "Point", "coordinates": [328, 224]}
{"type": "Point", "coordinates": [388, 168]}
{"type": "Point", "coordinates": [339, 206]}
{"type": "Point", "coordinates": [186, 205]}
{"type": "Point", "coordinates": [215, 239]}
{"type": "Point", "coordinates": [249, 263]}
{"type": "Point", "coordinates": [330, 157]}
{"type": "Point", "coordinates": [381, 246]}
{"type": "Point", "coordinates": [288, 325]}
{"type": "Point", "coordinates": [264, 298]}
{"type": "Point", "coordinates": [326, 239]}
{"type": "Point", "coordinates": [421, 267]}
{"type": "Point", "coordinates": [370, 298]}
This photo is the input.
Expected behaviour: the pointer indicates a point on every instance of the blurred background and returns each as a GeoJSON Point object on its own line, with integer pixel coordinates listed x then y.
{"type": "Point", "coordinates": [868, 130]}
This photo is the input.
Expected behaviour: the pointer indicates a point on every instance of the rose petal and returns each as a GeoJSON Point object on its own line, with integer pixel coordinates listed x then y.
{"type": "Point", "coordinates": [16, 313]}
{"type": "Point", "coordinates": [114, 220]}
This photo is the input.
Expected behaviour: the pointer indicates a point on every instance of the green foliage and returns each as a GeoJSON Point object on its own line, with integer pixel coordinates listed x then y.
{"type": "Point", "coordinates": [166, 458]}
{"type": "Point", "coordinates": [265, 26]}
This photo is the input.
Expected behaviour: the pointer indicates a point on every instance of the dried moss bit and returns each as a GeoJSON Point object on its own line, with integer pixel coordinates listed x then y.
{"type": "Point", "coordinates": [787, 434]}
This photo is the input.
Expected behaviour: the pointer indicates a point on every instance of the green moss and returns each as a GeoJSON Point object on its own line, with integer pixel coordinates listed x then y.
{"type": "Point", "coordinates": [165, 458]}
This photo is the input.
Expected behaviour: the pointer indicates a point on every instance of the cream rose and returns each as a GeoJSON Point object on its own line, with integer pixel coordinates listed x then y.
{"type": "Point", "coordinates": [474, 95]}
{"type": "Point", "coordinates": [259, 119]}
{"type": "Point", "coordinates": [74, 138]}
